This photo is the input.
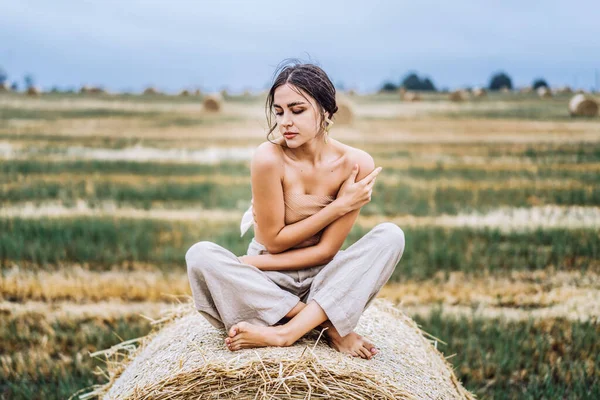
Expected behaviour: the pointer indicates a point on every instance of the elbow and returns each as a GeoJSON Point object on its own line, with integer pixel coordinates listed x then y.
{"type": "Point", "coordinates": [273, 248]}
{"type": "Point", "coordinates": [328, 255]}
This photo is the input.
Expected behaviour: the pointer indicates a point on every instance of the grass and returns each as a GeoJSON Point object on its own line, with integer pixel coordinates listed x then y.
{"type": "Point", "coordinates": [101, 243]}
{"type": "Point", "coordinates": [45, 359]}
{"type": "Point", "coordinates": [549, 359]}
{"type": "Point", "coordinates": [389, 199]}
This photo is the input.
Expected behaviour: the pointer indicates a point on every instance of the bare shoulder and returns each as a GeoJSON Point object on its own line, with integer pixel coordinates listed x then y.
{"type": "Point", "coordinates": [266, 156]}
{"type": "Point", "coordinates": [358, 156]}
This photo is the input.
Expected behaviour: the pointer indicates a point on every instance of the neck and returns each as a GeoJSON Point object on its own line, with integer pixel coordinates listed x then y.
{"type": "Point", "coordinates": [313, 152]}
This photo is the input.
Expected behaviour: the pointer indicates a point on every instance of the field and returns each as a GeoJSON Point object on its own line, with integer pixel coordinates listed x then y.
{"type": "Point", "coordinates": [499, 199]}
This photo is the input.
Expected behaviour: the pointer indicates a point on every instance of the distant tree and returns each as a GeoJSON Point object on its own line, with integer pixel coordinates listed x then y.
{"type": "Point", "coordinates": [500, 80]}
{"type": "Point", "coordinates": [389, 87]}
{"type": "Point", "coordinates": [428, 85]}
{"type": "Point", "coordinates": [538, 83]}
{"type": "Point", "coordinates": [29, 81]}
{"type": "Point", "coordinates": [3, 76]}
{"type": "Point", "coordinates": [413, 82]}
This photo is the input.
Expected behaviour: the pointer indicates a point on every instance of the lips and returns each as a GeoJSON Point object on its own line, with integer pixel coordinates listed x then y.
{"type": "Point", "coordinates": [289, 134]}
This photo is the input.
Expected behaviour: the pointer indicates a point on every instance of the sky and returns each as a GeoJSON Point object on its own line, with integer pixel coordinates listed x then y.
{"type": "Point", "coordinates": [176, 44]}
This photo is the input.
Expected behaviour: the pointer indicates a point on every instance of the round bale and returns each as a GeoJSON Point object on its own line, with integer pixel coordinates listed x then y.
{"type": "Point", "coordinates": [479, 92]}
{"type": "Point", "coordinates": [457, 96]}
{"type": "Point", "coordinates": [544, 92]}
{"type": "Point", "coordinates": [212, 102]}
{"type": "Point", "coordinates": [411, 96]}
{"type": "Point", "coordinates": [33, 91]}
{"type": "Point", "coordinates": [583, 106]}
{"type": "Point", "coordinates": [187, 359]}
{"type": "Point", "coordinates": [344, 114]}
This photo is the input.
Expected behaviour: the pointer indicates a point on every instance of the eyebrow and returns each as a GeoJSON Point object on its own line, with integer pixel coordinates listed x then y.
{"type": "Point", "coordinates": [295, 103]}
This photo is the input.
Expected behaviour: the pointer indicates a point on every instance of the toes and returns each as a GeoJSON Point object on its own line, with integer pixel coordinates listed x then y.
{"type": "Point", "coordinates": [233, 331]}
{"type": "Point", "coordinates": [364, 353]}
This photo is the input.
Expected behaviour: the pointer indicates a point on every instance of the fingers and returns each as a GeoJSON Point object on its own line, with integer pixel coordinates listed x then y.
{"type": "Point", "coordinates": [371, 177]}
{"type": "Point", "coordinates": [354, 172]}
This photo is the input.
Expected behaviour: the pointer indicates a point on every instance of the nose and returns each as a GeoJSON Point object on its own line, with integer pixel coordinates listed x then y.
{"type": "Point", "coordinates": [286, 119]}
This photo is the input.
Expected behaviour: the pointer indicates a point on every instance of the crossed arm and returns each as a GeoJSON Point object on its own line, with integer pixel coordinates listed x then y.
{"type": "Point", "coordinates": [331, 241]}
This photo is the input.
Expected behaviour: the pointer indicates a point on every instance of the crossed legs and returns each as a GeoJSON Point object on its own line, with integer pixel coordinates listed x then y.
{"type": "Point", "coordinates": [339, 294]}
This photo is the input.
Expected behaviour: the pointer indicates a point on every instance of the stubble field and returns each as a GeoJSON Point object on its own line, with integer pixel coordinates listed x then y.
{"type": "Point", "coordinates": [499, 199]}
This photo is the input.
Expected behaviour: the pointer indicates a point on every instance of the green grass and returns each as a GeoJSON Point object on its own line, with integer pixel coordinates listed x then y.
{"type": "Point", "coordinates": [12, 169]}
{"type": "Point", "coordinates": [388, 199]}
{"type": "Point", "coordinates": [547, 359]}
{"type": "Point", "coordinates": [50, 359]}
{"type": "Point", "coordinates": [101, 243]}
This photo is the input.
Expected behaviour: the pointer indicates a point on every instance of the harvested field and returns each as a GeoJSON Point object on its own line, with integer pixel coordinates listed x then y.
{"type": "Point", "coordinates": [498, 196]}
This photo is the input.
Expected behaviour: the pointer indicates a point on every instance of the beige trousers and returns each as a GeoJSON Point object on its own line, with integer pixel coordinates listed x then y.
{"type": "Point", "coordinates": [226, 291]}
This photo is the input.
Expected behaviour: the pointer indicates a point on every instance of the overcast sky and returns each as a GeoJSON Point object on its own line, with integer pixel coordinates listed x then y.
{"type": "Point", "coordinates": [130, 44]}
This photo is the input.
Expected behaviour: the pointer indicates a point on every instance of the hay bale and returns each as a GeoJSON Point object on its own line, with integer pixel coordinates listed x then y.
{"type": "Point", "coordinates": [197, 92]}
{"type": "Point", "coordinates": [544, 92]}
{"type": "Point", "coordinates": [97, 90]}
{"type": "Point", "coordinates": [351, 92]}
{"type": "Point", "coordinates": [402, 92]}
{"type": "Point", "coordinates": [149, 91]}
{"type": "Point", "coordinates": [411, 96]}
{"type": "Point", "coordinates": [212, 103]}
{"type": "Point", "coordinates": [564, 90]}
{"type": "Point", "coordinates": [479, 92]}
{"type": "Point", "coordinates": [184, 92]}
{"type": "Point", "coordinates": [33, 91]}
{"type": "Point", "coordinates": [457, 96]}
{"type": "Point", "coordinates": [188, 359]}
{"type": "Point", "coordinates": [504, 89]}
{"type": "Point", "coordinates": [344, 114]}
{"type": "Point", "coordinates": [583, 106]}
{"type": "Point", "coordinates": [526, 90]}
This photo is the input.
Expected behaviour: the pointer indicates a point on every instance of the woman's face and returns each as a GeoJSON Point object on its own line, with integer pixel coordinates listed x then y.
{"type": "Point", "coordinates": [296, 115]}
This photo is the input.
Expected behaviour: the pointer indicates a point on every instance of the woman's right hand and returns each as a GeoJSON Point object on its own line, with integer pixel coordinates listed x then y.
{"type": "Point", "coordinates": [353, 195]}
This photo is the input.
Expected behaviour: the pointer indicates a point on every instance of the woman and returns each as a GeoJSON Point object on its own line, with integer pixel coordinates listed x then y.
{"type": "Point", "coordinates": [307, 191]}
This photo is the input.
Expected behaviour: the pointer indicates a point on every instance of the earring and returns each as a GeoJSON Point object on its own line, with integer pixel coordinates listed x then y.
{"type": "Point", "coordinates": [328, 124]}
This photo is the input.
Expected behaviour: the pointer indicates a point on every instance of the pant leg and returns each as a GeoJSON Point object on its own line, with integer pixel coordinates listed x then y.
{"type": "Point", "coordinates": [227, 291]}
{"type": "Point", "coordinates": [345, 287]}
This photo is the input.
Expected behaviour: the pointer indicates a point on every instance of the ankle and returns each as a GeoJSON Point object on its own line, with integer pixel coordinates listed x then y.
{"type": "Point", "coordinates": [284, 336]}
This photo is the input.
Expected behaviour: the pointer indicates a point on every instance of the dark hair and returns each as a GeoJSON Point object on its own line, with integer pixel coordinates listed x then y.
{"type": "Point", "coordinates": [305, 76]}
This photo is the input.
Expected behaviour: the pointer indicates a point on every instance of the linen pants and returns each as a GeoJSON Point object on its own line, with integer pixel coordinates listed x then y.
{"type": "Point", "coordinates": [227, 291]}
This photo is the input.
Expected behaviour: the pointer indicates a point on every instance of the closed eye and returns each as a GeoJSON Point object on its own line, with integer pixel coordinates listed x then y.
{"type": "Point", "coordinates": [295, 112]}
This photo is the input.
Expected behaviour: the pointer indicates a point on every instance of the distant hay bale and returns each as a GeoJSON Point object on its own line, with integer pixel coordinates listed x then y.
{"type": "Point", "coordinates": [583, 106]}
{"type": "Point", "coordinates": [479, 92]}
{"type": "Point", "coordinates": [247, 93]}
{"type": "Point", "coordinates": [224, 94]}
{"type": "Point", "coordinates": [411, 96]}
{"type": "Point", "coordinates": [526, 90]}
{"type": "Point", "coordinates": [564, 90]}
{"type": "Point", "coordinates": [184, 92]}
{"type": "Point", "coordinates": [84, 89]}
{"type": "Point", "coordinates": [351, 92]}
{"type": "Point", "coordinates": [580, 91]}
{"type": "Point", "coordinates": [457, 96]}
{"type": "Point", "coordinates": [344, 114]}
{"type": "Point", "coordinates": [544, 92]}
{"type": "Point", "coordinates": [33, 91]}
{"type": "Point", "coordinates": [187, 358]}
{"type": "Point", "coordinates": [504, 89]}
{"type": "Point", "coordinates": [96, 90]}
{"type": "Point", "coordinates": [149, 91]}
{"type": "Point", "coordinates": [212, 103]}
{"type": "Point", "coordinates": [197, 92]}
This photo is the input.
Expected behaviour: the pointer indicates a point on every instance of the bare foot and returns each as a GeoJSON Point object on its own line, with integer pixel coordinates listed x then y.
{"type": "Point", "coordinates": [352, 344]}
{"type": "Point", "coordinates": [244, 335]}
